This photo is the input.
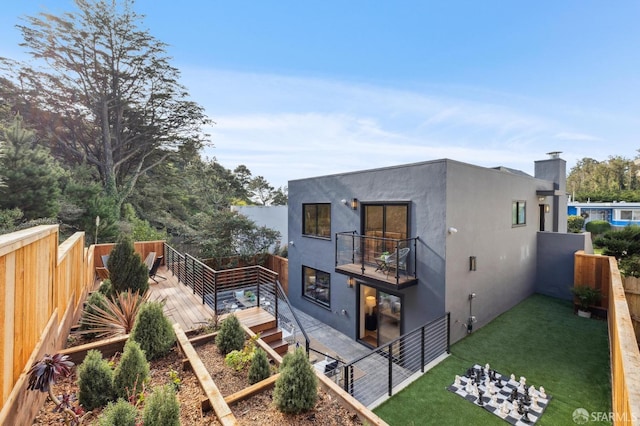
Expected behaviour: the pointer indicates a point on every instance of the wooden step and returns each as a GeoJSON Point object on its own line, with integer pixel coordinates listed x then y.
{"type": "Point", "coordinates": [280, 346]}
{"type": "Point", "coordinates": [260, 327]}
{"type": "Point", "coordinates": [271, 335]}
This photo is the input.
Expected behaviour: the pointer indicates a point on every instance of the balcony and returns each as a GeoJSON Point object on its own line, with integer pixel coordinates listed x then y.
{"type": "Point", "coordinates": [387, 262]}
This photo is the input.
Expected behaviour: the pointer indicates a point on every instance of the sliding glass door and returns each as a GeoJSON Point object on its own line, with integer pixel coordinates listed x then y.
{"type": "Point", "coordinates": [380, 316]}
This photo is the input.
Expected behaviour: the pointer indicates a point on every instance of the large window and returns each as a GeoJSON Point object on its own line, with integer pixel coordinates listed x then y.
{"type": "Point", "coordinates": [630, 214]}
{"type": "Point", "coordinates": [519, 213]}
{"type": "Point", "coordinates": [316, 286]}
{"type": "Point", "coordinates": [317, 220]}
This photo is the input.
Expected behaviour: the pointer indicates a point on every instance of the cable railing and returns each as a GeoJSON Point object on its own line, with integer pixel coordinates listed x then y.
{"type": "Point", "coordinates": [231, 289]}
{"type": "Point", "coordinates": [375, 375]}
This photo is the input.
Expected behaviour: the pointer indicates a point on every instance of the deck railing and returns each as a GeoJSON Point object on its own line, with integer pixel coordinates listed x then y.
{"type": "Point", "coordinates": [383, 369]}
{"type": "Point", "coordinates": [365, 251]}
{"type": "Point", "coordinates": [220, 290]}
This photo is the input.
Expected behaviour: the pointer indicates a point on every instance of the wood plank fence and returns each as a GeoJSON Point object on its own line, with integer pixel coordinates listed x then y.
{"type": "Point", "coordinates": [280, 265]}
{"type": "Point", "coordinates": [42, 287]}
{"type": "Point", "coordinates": [623, 346]}
{"type": "Point", "coordinates": [632, 293]}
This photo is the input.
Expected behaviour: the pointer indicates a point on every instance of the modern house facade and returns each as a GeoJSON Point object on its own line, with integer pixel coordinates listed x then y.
{"type": "Point", "coordinates": [378, 253]}
{"type": "Point", "coordinates": [618, 214]}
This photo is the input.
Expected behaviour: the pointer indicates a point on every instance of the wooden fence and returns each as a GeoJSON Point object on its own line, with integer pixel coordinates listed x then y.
{"type": "Point", "coordinates": [280, 265]}
{"type": "Point", "coordinates": [623, 346]}
{"type": "Point", "coordinates": [42, 287]}
{"type": "Point", "coordinates": [143, 248]}
{"type": "Point", "coordinates": [632, 293]}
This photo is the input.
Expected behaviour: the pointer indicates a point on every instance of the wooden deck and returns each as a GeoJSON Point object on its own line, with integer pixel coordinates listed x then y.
{"type": "Point", "coordinates": [373, 274]}
{"type": "Point", "coordinates": [181, 306]}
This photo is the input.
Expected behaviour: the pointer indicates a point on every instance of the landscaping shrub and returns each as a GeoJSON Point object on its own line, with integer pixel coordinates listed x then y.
{"type": "Point", "coordinates": [96, 300]}
{"type": "Point", "coordinates": [126, 268]}
{"type": "Point", "coordinates": [575, 224]}
{"type": "Point", "coordinates": [119, 414]}
{"type": "Point", "coordinates": [238, 360]}
{"type": "Point", "coordinates": [296, 389]}
{"type": "Point", "coordinates": [259, 369]}
{"type": "Point", "coordinates": [95, 381]}
{"type": "Point", "coordinates": [231, 335]}
{"type": "Point", "coordinates": [118, 316]}
{"type": "Point", "coordinates": [132, 372]}
{"type": "Point", "coordinates": [106, 288]}
{"type": "Point", "coordinates": [630, 266]}
{"type": "Point", "coordinates": [620, 244]}
{"type": "Point", "coordinates": [162, 408]}
{"type": "Point", "coordinates": [153, 331]}
{"type": "Point", "coordinates": [597, 227]}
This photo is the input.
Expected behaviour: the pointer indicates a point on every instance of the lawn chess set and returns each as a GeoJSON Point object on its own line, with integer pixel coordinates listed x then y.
{"type": "Point", "coordinates": [506, 397]}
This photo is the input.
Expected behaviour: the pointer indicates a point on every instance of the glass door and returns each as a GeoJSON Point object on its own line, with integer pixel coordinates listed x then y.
{"type": "Point", "coordinates": [380, 316]}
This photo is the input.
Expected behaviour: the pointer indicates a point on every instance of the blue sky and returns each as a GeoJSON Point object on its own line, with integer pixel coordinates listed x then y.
{"type": "Point", "coordinates": [301, 89]}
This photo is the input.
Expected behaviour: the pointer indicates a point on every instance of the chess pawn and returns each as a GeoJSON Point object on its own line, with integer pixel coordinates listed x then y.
{"type": "Point", "coordinates": [475, 390]}
{"type": "Point", "coordinates": [486, 368]}
{"type": "Point", "coordinates": [532, 390]}
{"type": "Point", "coordinates": [504, 408]}
{"type": "Point", "coordinates": [534, 403]}
{"type": "Point", "coordinates": [513, 377]}
{"type": "Point", "coordinates": [523, 380]}
{"type": "Point", "coordinates": [542, 394]}
{"type": "Point", "coordinates": [492, 388]}
{"type": "Point", "coordinates": [457, 381]}
{"type": "Point", "coordinates": [515, 406]}
{"type": "Point", "coordinates": [494, 401]}
{"type": "Point", "coordinates": [468, 387]}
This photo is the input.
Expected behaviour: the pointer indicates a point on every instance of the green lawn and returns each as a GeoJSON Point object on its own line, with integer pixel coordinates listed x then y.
{"type": "Point", "coordinates": [540, 339]}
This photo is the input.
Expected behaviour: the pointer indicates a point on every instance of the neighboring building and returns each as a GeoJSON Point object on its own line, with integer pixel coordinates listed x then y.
{"type": "Point", "coordinates": [618, 214]}
{"type": "Point", "coordinates": [469, 230]}
{"type": "Point", "coordinates": [274, 217]}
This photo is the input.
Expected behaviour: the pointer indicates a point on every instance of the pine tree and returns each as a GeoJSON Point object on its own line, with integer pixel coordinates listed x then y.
{"type": "Point", "coordinates": [31, 177]}
{"type": "Point", "coordinates": [126, 268]}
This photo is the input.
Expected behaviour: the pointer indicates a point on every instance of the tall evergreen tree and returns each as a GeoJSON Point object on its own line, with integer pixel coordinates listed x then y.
{"type": "Point", "coordinates": [30, 174]}
{"type": "Point", "coordinates": [108, 95]}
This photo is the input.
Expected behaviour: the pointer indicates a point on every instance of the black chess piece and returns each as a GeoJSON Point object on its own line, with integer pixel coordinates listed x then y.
{"type": "Point", "coordinates": [480, 393]}
{"type": "Point", "coordinates": [525, 415]}
{"type": "Point", "coordinates": [469, 373]}
{"type": "Point", "coordinates": [514, 395]}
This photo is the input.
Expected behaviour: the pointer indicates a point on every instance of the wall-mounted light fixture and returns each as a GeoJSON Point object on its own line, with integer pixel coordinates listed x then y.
{"type": "Point", "coordinates": [547, 208]}
{"type": "Point", "coordinates": [541, 198]}
{"type": "Point", "coordinates": [291, 243]}
{"type": "Point", "coordinates": [472, 263]}
{"type": "Point", "coordinates": [354, 204]}
{"type": "Point", "coordinates": [344, 201]}
{"type": "Point", "coordinates": [452, 230]}
{"type": "Point", "coordinates": [351, 281]}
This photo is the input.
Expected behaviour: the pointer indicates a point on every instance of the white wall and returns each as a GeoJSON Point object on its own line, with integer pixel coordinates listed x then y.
{"type": "Point", "coordinates": [274, 217]}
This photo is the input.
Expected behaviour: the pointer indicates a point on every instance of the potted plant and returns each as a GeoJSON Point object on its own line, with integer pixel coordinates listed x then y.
{"type": "Point", "coordinates": [587, 296]}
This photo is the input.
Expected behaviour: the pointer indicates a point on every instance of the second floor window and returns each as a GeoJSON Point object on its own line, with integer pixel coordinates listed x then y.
{"type": "Point", "coordinates": [317, 220]}
{"type": "Point", "coordinates": [519, 213]}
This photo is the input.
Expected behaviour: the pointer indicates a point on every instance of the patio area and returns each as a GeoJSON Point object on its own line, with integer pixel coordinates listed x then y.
{"type": "Point", "coordinates": [540, 339]}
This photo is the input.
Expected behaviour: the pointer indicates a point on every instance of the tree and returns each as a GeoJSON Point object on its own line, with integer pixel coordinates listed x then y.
{"type": "Point", "coordinates": [31, 176]}
{"type": "Point", "coordinates": [280, 196]}
{"type": "Point", "coordinates": [108, 95]}
{"type": "Point", "coordinates": [126, 270]}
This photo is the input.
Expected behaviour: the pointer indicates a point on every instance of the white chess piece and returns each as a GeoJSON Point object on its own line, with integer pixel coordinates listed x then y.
{"type": "Point", "coordinates": [542, 393]}
{"type": "Point", "coordinates": [457, 381]}
{"type": "Point", "coordinates": [486, 368]}
{"type": "Point", "coordinates": [475, 390]}
{"type": "Point", "coordinates": [513, 377]}
{"type": "Point", "coordinates": [468, 387]}
{"type": "Point", "coordinates": [523, 380]}
{"type": "Point", "coordinates": [494, 401]}
{"type": "Point", "coordinates": [532, 390]}
{"type": "Point", "coordinates": [503, 408]}
{"type": "Point", "coordinates": [534, 403]}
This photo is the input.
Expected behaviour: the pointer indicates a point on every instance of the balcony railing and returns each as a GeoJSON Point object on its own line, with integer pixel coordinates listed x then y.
{"type": "Point", "coordinates": [385, 260]}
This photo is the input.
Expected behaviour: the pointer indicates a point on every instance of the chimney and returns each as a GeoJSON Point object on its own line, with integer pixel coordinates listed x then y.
{"type": "Point", "coordinates": [554, 169]}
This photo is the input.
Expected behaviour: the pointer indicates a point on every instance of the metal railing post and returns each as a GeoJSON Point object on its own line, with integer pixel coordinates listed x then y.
{"type": "Point", "coordinates": [390, 369]}
{"type": "Point", "coordinates": [422, 350]}
{"type": "Point", "coordinates": [448, 332]}
{"type": "Point", "coordinates": [203, 289]}
{"type": "Point", "coordinates": [215, 291]}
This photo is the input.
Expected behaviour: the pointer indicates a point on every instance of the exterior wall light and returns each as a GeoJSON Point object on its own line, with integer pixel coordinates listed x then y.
{"type": "Point", "coordinates": [351, 282]}
{"type": "Point", "coordinates": [472, 263]}
{"type": "Point", "coordinates": [541, 198]}
{"type": "Point", "coordinates": [354, 204]}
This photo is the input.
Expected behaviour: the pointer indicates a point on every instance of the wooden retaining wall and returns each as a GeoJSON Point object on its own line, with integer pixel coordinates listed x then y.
{"type": "Point", "coordinates": [623, 346]}
{"type": "Point", "coordinates": [42, 287]}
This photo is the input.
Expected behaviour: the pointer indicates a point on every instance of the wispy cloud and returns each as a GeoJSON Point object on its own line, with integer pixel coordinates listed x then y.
{"type": "Point", "coordinates": [287, 128]}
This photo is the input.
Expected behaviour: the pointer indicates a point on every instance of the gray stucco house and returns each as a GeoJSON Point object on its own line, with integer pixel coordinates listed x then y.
{"type": "Point", "coordinates": [377, 253]}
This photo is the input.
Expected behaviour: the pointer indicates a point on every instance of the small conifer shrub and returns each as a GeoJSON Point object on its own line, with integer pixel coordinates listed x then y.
{"type": "Point", "coordinates": [127, 271]}
{"type": "Point", "coordinates": [120, 413]}
{"type": "Point", "coordinates": [106, 288]}
{"type": "Point", "coordinates": [296, 389]}
{"type": "Point", "coordinates": [96, 300]}
{"type": "Point", "coordinates": [153, 331]}
{"type": "Point", "coordinates": [259, 369]}
{"type": "Point", "coordinates": [95, 381]}
{"type": "Point", "coordinates": [162, 408]}
{"type": "Point", "coordinates": [132, 372]}
{"type": "Point", "coordinates": [231, 335]}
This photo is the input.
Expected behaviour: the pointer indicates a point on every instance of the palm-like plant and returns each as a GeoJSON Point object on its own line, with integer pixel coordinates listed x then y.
{"type": "Point", "coordinates": [118, 315]}
{"type": "Point", "coordinates": [44, 373]}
